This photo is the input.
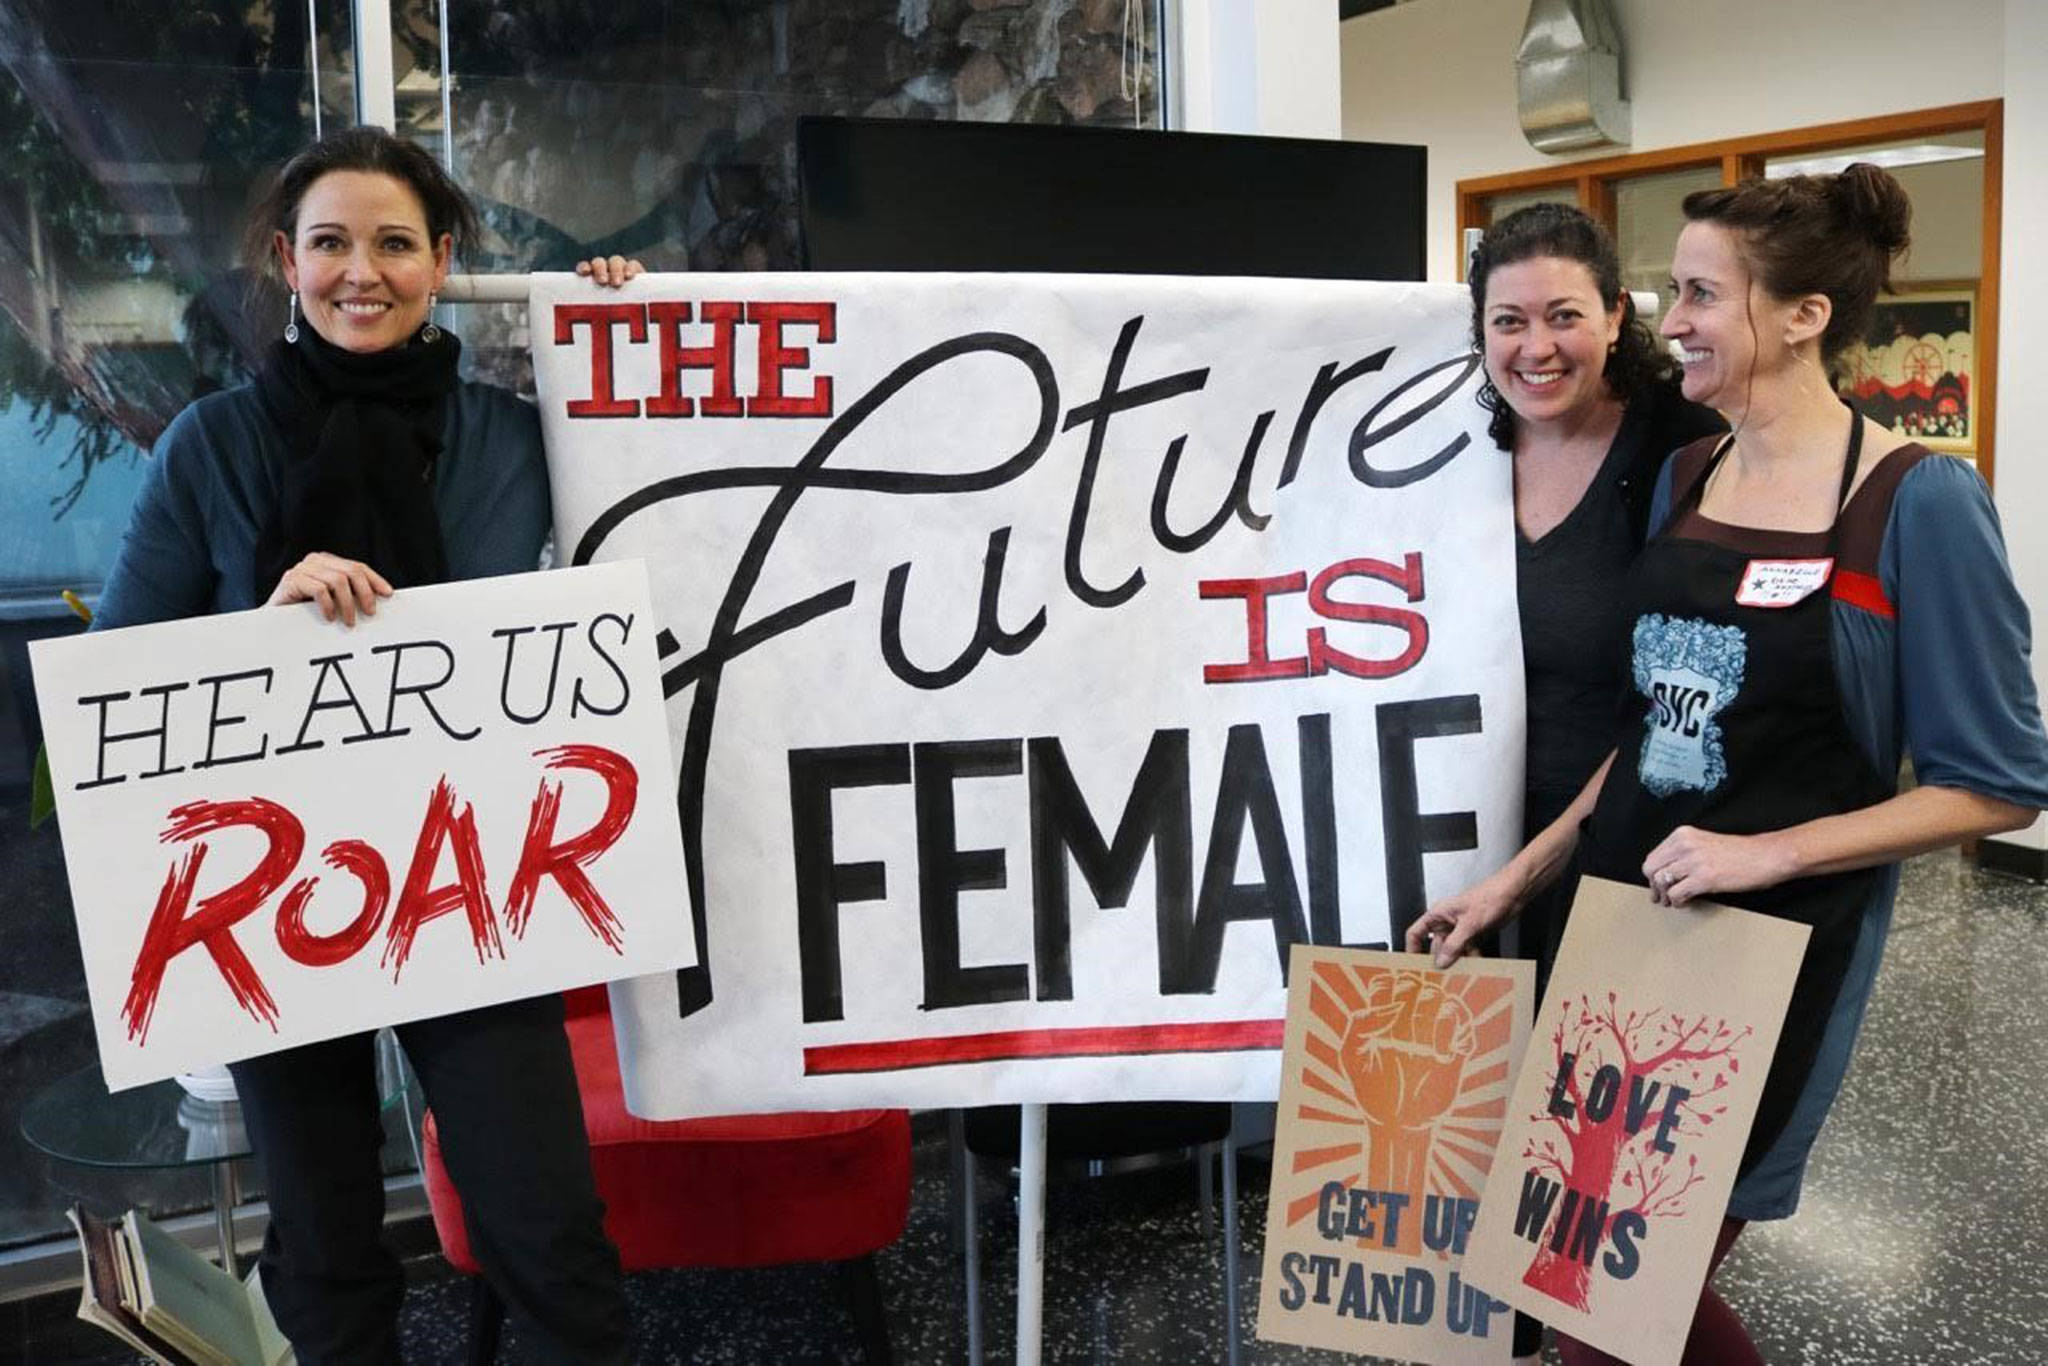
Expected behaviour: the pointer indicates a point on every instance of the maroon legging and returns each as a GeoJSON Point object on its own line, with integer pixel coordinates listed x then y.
{"type": "Point", "coordinates": [1717, 1337]}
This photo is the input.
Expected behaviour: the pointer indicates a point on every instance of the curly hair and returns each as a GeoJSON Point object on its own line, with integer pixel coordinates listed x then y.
{"type": "Point", "coordinates": [1636, 364]}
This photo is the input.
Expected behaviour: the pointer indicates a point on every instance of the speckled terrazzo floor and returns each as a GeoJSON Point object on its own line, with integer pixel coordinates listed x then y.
{"type": "Point", "coordinates": [1923, 1235]}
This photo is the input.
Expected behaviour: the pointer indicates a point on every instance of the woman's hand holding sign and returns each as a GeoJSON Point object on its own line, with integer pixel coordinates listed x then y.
{"type": "Point", "coordinates": [1456, 921]}
{"type": "Point", "coordinates": [338, 585]}
{"type": "Point", "coordinates": [1690, 863]}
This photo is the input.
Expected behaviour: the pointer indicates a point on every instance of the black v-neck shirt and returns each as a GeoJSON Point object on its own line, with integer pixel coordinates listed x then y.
{"type": "Point", "coordinates": [1568, 586]}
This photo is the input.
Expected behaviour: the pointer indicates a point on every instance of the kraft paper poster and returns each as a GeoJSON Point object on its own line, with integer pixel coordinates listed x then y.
{"type": "Point", "coordinates": [1629, 1116]}
{"type": "Point", "coordinates": [1394, 1085]}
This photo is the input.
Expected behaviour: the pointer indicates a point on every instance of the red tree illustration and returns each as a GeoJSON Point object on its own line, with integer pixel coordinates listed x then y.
{"type": "Point", "coordinates": [1600, 1159]}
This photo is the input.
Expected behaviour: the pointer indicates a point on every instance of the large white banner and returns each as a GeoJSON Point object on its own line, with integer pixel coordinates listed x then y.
{"type": "Point", "coordinates": [1044, 657]}
{"type": "Point", "coordinates": [278, 829]}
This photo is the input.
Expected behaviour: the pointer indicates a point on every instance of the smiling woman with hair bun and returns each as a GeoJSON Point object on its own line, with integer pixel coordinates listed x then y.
{"type": "Point", "coordinates": [1837, 598]}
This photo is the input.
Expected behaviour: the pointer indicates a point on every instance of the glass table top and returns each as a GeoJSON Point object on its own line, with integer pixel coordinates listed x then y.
{"type": "Point", "coordinates": [78, 1120]}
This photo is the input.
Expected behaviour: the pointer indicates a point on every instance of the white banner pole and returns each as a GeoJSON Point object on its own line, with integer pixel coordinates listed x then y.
{"type": "Point", "coordinates": [376, 85]}
{"type": "Point", "coordinates": [1030, 1232]}
{"type": "Point", "coordinates": [512, 289]}
{"type": "Point", "coordinates": [486, 289]}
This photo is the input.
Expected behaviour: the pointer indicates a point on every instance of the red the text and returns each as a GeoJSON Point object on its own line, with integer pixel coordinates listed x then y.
{"type": "Point", "coordinates": [711, 350]}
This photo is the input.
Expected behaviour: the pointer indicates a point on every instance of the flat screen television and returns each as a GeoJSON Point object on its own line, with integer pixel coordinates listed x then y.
{"type": "Point", "coordinates": [893, 194]}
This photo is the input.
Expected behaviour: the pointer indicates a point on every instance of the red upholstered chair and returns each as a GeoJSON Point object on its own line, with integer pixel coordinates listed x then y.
{"type": "Point", "coordinates": [744, 1190]}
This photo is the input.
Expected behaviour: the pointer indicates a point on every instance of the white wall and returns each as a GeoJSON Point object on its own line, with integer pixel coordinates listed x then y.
{"type": "Point", "coordinates": [2022, 471]}
{"type": "Point", "coordinates": [1260, 66]}
{"type": "Point", "coordinates": [1442, 73]}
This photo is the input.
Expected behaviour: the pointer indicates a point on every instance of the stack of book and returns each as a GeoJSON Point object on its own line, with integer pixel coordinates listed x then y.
{"type": "Point", "coordinates": [169, 1303]}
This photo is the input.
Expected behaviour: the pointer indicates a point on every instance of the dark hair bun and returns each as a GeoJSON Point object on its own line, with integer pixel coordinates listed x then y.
{"type": "Point", "coordinates": [1875, 199]}
{"type": "Point", "coordinates": [1836, 235]}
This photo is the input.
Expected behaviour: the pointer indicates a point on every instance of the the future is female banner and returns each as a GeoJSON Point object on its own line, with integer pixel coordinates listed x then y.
{"type": "Point", "coordinates": [1044, 657]}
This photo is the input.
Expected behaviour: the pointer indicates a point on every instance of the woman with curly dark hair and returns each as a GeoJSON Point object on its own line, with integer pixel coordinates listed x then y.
{"type": "Point", "coordinates": [1585, 400]}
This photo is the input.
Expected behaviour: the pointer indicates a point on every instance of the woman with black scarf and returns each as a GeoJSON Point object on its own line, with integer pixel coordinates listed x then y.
{"type": "Point", "coordinates": [356, 464]}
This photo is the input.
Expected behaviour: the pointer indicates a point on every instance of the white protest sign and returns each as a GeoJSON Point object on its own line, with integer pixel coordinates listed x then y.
{"type": "Point", "coordinates": [278, 829]}
{"type": "Point", "coordinates": [1045, 656]}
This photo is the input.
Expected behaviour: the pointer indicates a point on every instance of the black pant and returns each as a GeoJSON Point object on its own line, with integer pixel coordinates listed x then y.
{"type": "Point", "coordinates": [510, 1120]}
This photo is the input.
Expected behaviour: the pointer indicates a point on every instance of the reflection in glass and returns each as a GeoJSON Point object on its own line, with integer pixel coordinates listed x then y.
{"type": "Point", "coordinates": [669, 133]}
{"type": "Point", "coordinates": [133, 133]}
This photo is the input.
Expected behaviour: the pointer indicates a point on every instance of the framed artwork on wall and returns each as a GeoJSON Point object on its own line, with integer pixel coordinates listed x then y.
{"type": "Point", "coordinates": [1914, 370]}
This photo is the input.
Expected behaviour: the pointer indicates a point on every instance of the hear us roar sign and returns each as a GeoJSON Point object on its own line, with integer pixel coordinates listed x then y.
{"type": "Point", "coordinates": [279, 830]}
{"type": "Point", "coordinates": [1044, 657]}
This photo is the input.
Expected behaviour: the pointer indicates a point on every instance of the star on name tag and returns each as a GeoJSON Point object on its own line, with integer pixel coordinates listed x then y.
{"type": "Point", "coordinates": [1781, 583]}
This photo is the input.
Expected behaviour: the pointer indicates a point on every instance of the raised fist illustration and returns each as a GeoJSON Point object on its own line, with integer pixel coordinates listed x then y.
{"type": "Point", "coordinates": [1404, 1051]}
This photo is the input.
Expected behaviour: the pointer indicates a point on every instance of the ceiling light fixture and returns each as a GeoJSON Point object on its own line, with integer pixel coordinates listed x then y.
{"type": "Point", "coordinates": [1915, 154]}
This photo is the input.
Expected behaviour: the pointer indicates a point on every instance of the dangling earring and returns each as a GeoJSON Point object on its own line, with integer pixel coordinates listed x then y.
{"type": "Point", "coordinates": [291, 324]}
{"type": "Point", "coordinates": [430, 333]}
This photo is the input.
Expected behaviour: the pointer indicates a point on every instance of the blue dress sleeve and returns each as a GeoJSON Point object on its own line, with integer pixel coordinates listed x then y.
{"type": "Point", "coordinates": [162, 570]}
{"type": "Point", "coordinates": [1966, 690]}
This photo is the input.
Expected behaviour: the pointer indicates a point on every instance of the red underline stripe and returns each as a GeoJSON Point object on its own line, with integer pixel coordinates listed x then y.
{"type": "Point", "coordinates": [1108, 1041]}
{"type": "Point", "coordinates": [1863, 590]}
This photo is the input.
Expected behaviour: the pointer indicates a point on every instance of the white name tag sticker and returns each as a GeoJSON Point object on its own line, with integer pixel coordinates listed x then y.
{"type": "Point", "coordinates": [1781, 583]}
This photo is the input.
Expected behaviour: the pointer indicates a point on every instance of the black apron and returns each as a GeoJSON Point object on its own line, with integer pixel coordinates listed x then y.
{"type": "Point", "coordinates": [1742, 731]}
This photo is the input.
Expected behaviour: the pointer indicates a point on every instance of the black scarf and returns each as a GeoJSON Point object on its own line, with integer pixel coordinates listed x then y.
{"type": "Point", "coordinates": [364, 433]}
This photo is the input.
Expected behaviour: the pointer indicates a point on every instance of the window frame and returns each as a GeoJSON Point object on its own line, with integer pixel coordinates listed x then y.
{"type": "Point", "coordinates": [1591, 185]}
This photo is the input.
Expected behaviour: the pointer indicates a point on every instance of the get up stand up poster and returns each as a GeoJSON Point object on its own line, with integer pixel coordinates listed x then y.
{"type": "Point", "coordinates": [1393, 1090]}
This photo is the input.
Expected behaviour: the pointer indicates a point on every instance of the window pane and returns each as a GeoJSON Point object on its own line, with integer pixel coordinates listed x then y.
{"type": "Point", "coordinates": [668, 132]}
{"type": "Point", "coordinates": [1646, 223]}
{"type": "Point", "coordinates": [1944, 177]}
{"type": "Point", "coordinates": [134, 133]}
